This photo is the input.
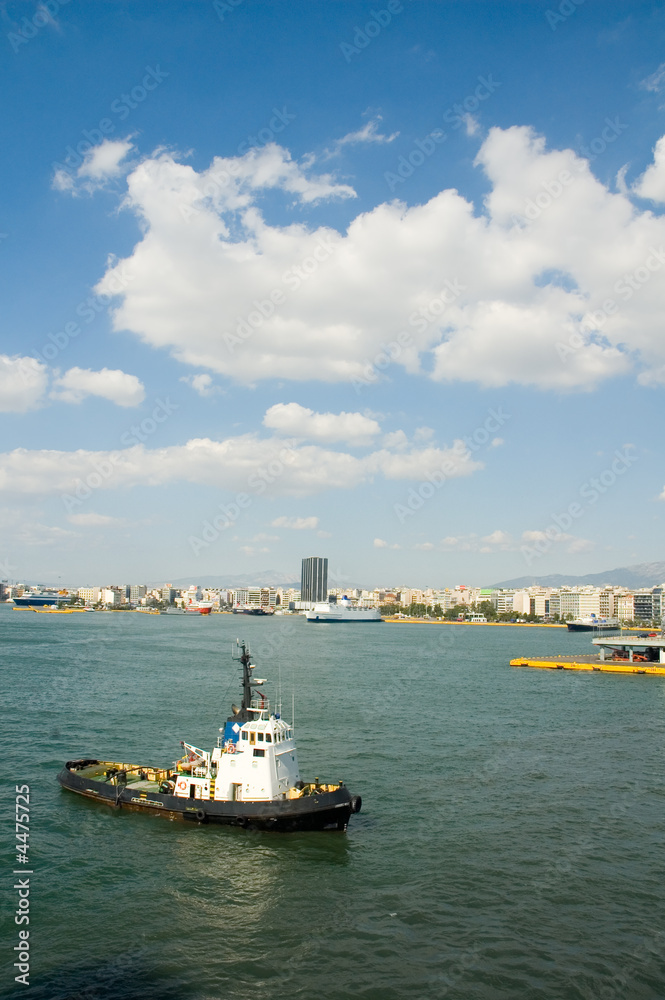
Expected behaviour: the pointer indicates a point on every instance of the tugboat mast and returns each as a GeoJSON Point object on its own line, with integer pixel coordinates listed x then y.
{"type": "Point", "coordinates": [243, 714]}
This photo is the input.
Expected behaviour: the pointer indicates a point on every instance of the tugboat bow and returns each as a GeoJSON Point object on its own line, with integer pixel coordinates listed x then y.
{"type": "Point", "coordinates": [249, 779]}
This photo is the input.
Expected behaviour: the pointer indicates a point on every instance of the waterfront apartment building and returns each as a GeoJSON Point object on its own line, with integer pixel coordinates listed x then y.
{"type": "Point", "coordinates": [606, 603]}
{"type": "Point", "coordinates": [539, 603]}
{"type": "Point", "coordinates": [648, 605]}
{"type": "Point", "coordinates": [578, 603]}
{"type": "Point", "coordinates": [314, 579]}
{"type": "Point", "coordinates": [624, 608]}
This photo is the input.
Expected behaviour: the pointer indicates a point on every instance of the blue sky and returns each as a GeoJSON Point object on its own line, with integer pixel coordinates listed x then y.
{"type": "Point", "coordinates": [218, 217]}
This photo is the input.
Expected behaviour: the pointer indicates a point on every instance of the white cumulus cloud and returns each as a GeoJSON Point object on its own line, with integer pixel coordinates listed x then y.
{"type": "Point", "coordinates": [380, 543]}
{"type": "Point", "coordinates": [487, 295]}
{"type": "Point", "coordinates": [201, 383]}
{"type": "Point", "coordinates": [112, 384]}
{"type": "Point", "coordinates": [100, 164]}
{"type": "Point", "coordinates": [269, 466]}
{"type": "Point", "coordinates": [300, 422]}
{"type": "Point", "coordinates": [651, 184]}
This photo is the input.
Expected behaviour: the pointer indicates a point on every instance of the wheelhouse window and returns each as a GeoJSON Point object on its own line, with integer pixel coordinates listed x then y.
{"type": "Point", "coordinates": [259, 753]}
{"type": "Point", "coordinates": [268, 738]}
{"type": "Point", "coordinates": [245, 736]}
{"type": "Point", "coordinates": [260, 737]}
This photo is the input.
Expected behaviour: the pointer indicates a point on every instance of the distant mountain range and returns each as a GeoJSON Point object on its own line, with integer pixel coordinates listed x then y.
{"type": "Point", "coordinates": [266, 578]}
{"type": "Point", "coordinates": [642, 575]}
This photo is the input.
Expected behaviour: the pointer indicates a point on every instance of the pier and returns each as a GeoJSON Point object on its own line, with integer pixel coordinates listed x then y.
{"type": "Point", "coordinates": [616, 655]}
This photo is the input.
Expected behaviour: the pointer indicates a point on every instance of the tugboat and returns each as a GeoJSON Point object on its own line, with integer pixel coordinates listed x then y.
{"type": "Point", "coordinates": [250, 778]}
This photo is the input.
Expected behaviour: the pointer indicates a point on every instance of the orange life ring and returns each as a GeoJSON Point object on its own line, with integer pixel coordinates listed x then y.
{"type": "Point", "coordinates": [182, 784]}
{"type": "Point", "coordinates": [231, 748]}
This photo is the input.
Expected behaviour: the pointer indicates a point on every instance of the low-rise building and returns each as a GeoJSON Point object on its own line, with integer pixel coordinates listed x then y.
{"type": "Point", "coordinates": [112, 597]}
{"type": "Point", "coordinates": [89, 595]}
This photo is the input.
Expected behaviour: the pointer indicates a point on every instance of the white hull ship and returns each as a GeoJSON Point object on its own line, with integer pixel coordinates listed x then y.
{"type": "Point", "coordinates": [198, 607]}
{"type": "Point", "coordinates": [40, 599]}
{"type": "Point", "coordinates": [342, 612]}
{"type": "Point", "coordinates": [593, 624]}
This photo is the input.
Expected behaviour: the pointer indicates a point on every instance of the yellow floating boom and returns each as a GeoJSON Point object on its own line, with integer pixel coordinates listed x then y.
{"type": "Point", "coordinates": [589, 663]}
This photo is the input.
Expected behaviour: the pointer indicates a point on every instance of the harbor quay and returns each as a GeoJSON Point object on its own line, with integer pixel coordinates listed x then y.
{"type": "Point", "coordinates": [617, 654]}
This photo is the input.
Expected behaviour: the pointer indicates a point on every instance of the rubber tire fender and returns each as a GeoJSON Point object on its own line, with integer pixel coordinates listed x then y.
{"type": "Point", "coordinates": [201, 816]}
{"type": "Point", "coordinates": [356, 803]}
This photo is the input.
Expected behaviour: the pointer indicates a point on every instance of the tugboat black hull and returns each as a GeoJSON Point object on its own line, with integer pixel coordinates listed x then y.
{"type": "Point", "coordinates": [324, 810]}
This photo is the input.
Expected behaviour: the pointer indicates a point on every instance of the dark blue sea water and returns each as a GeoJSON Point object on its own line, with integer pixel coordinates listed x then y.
{"type": "Point", "coordinates": [510, 843]}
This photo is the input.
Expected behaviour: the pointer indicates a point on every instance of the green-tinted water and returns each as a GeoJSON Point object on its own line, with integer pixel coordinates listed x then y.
{"type": "Point", "coordinates": [510, 843]}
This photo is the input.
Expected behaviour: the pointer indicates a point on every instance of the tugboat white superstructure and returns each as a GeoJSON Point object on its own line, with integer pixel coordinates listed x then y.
{"type": "Point", "coordinates": [250, 779]}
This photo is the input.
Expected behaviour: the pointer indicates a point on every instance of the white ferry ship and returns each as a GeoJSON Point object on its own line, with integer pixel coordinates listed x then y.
{"type": "Point", "coordinates": [594, 624]}
{"type": "Point", "coordinates": [344, 611]}
{"type": "Point", "coordinates": [40, 599]}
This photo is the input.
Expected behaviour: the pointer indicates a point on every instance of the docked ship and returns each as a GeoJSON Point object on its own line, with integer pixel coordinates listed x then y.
{"type": "Point", "coordinates": [594, 624]}
{"type": "Point", "coordinates": [250, 779]}
{"type": "Point", "coordinates": [199, 607]}
{"type": "Point", "coordinates": [40, 599]}
{"type": "Point", "coordinates": [250, 609]}
{"type": "Point", "coordinates": [342, 612]}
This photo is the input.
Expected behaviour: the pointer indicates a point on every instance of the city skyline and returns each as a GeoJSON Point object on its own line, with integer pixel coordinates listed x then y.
{"type": "Point", "coordinates": [402, 300]}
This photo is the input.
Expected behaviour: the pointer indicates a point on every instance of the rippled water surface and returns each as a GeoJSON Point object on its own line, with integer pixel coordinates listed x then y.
{"type": "Point", "coordinates": [510, 842]}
